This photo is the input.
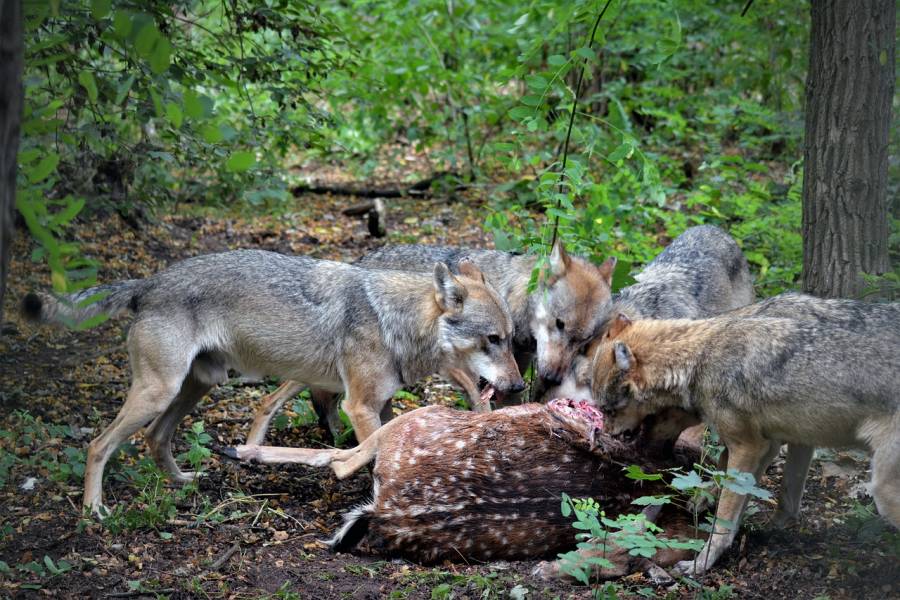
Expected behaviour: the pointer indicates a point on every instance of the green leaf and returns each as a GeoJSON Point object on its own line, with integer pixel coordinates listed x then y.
{"type": "Point", "coordinates": [161, 57]}
{"type": "Point", "coordinates": [173, 112]}
{"type": "Point", "coordinates": [100, 8]}
{"type": "Point", "coordinates": [123, 88]}
{"type": "Point", "coordinates": [86, 79]}
{"type": "Point", "coordinates": [192, 105]}
{"type": "Point", "coordinates": [68, 213]}
{"type": "Point", "coordinates": [686, 482]}
{"type": "Point", "coordinates": [532, 100]}
{"type": "Point", "coordinates": [240, 161]}
{"type": "Point", "coordinates": [651, 500]}
{"type": "Point", "coordinates": [165, 535]}
{"type": "Point", "coordinates": [520, 112]}
{"type": "Point", "coordinates": [146, 39]}
{"type": "Point", "coordinates": [211, 134]}
{"type": "Point", "coordinates": [586, 53]}
{"type": "Point", "coordinates": [157, 102]}
{"type": "Point", "coordinates": [557, 60]}
{"type": "Point", "coordinates": [46, 166]}
{"type": "Point", "coordinates": [122, 23]}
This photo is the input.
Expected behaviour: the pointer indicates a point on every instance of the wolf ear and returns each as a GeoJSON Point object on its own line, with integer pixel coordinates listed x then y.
{"type": "Point", "coordinates": [624, 357]}
{"type": "Point", "coordinates": [607, 268]}
{"type": "Point", "coordinates": [470, 270]}
{"type": "Point", "coordinates": [559, 259]}
{"type": "Point", "coordinates": [619, 324]}
{"type": "Point", "coordinates": [449, 293]}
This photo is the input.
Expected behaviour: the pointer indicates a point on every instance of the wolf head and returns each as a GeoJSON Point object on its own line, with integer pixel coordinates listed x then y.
{"type": "Point", "coordinates": [618, 382]}
{"type": "Point", "coordinates": [476, 331]}
{"type": "Point", "coordinates": [567, 313]}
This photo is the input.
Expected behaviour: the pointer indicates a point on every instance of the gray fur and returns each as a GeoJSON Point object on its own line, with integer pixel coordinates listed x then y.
{"type": "Point", "coordinates": [330, 325]}
{"type": "Point", "coordinates": [809, 373]}
{"type": "Point", "coordinates": [701, 273]}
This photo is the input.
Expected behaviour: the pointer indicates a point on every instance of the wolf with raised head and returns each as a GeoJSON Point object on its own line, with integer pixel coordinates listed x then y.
{"type": "Point", "coordinates": [331, 325]}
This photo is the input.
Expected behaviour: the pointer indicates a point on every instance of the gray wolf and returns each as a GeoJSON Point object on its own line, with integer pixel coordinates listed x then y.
{"type": "Point", "coordinates": [331, 325]}
{"type": "Point", "coordinates": [455, 486]}
{"type": "Point", "coordinates": [700, 274]}
{"type": "Point", "coordinates": [558, 319]}
{"type": "Point", "coordinates": [762, 381]}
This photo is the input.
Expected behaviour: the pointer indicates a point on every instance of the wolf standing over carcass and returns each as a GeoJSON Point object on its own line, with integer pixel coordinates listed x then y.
{"type": "Point", "coordinates": [555, 321]}
{"type": "Point", "coordinates": [827, 377]}
{"type": "Point", "coordinates": [331, 325]}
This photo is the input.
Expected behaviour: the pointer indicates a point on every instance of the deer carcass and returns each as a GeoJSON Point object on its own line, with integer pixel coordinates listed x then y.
{"type": "Point", "coordinates": [453, 485]}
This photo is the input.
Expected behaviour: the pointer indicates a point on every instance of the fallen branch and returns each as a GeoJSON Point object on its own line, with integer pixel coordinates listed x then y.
{"type": "Point", "coordinates": [136, 593]}
{"type": "Point", "coordinates": [421, 189]}
{"type": "Point", "coordinates": [224, 558]}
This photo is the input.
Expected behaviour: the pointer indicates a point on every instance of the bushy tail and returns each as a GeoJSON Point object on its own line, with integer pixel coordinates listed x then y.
{"type": "Point", "coordinates": [355, 528]}
{"type": "Point", "coordinates": [109, 299]}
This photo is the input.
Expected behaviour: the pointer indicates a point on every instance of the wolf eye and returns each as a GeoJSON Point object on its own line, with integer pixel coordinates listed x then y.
{"type": "Point", "coordinates": [560, 325]}
{"type": "Point", "coordinates": [494, 339]}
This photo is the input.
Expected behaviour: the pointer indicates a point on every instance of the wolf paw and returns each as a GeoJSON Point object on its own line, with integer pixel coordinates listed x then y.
{"type": "Point", "coordinates": [547, 570]}
{"type": "Point", "coordinates": [689, 568]}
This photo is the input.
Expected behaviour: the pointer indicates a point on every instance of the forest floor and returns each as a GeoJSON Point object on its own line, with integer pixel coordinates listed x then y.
{"type": "Point", "coordinates": [254, 531]}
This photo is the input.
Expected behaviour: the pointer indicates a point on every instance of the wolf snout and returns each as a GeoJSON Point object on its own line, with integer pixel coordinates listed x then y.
{"type": "Point", "coordinates": [551, 376]}
{"type": "Point", "coordinates": [516, 386]}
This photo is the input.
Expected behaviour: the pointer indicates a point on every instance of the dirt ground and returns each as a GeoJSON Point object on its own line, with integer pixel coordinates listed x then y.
{"type": "Point", "coordinates": [254, 531]}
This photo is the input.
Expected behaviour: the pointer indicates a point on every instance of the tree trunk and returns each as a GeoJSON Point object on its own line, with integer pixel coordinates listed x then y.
{"type": "Point", "coordinates": [11, 66]}
{"type": "Point", "coordinates": [849, 91]}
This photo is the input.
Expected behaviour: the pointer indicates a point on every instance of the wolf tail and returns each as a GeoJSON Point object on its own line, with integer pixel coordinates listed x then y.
{"type": "Point", "coordinates": [355, 528]}
{"type": "Point", "coordinates": [109, 299]}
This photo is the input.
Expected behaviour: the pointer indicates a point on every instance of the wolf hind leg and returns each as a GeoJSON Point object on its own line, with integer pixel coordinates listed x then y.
{"type": "Point", "coordinates": [886, 476]}
{"type": "Point", "coordinates": [158, 372]}
{"type": "Point", "coordinates": [270, 405]}
{"type": "Point", "coordinates": [796, 467]}
{"type": "Point", "coordinates": [159, 433]}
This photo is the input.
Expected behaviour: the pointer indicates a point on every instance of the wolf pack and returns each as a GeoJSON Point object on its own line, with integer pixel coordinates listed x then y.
{"type": "Point", "coordinates": [684, 346]}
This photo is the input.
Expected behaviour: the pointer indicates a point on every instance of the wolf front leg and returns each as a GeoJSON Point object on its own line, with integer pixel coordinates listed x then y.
{"type": "Point", "coordinates": [744, 455]}
{"type": "Point", "coordinates": [367, 390]}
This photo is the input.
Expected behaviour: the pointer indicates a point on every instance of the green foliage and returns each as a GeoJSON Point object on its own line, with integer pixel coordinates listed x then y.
{"type": "Point", "coordinates": [32, 447]}
{"type": "Point", "coordinates": [601, 536]}
{"type": "Point", "coordinates": [152, 102]}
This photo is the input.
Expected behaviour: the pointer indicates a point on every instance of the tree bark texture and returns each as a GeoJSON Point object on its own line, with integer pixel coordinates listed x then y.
{"type": "Point", "coordinates": [849, 90]}
{"type": "Point", "coordinates": [11, 66]}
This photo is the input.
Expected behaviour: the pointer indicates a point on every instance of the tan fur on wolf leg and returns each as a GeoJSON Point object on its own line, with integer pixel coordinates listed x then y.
{"type": "Point", "coordinates": [159, 433]}
{"type": "Point", "coordinates": [746, 457]}
{"type": "Point", "coordinates": [886, 475]}
{"type": "Point", "coordinates": [270, 405]}
{"type": "Point", "coordinates": [793, 481]}
{"type": "Point", "coordinates": [146, 401]}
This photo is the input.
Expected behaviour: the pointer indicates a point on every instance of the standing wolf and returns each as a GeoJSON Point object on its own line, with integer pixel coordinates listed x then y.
{"type": "Point", "coordinates": [331, 325]}
{"type": "Point", "coordinates": [560, 317]}
{"type": "Point", "coordinates": [700, 274]}
{"type": "Point", "coordinates": [828, 377]}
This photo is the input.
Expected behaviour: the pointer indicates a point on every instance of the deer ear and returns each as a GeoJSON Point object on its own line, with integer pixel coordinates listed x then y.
{"type": "Point", "coordinates": [607, 269]}
{"type": "Point", "coordinates": [559, 259]}
{"type": "Point", "coordinates": [470, 270]}
{"type": "Point", "coordinates": [624, 357]}
{"type": "Point", "coordinates": [449, 293]}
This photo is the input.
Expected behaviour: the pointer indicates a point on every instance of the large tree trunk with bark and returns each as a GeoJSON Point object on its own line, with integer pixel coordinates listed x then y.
{"type": "Point", "coordinates": [11, 66]}
{"type": "Point", "coordinates": [849, 91]}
